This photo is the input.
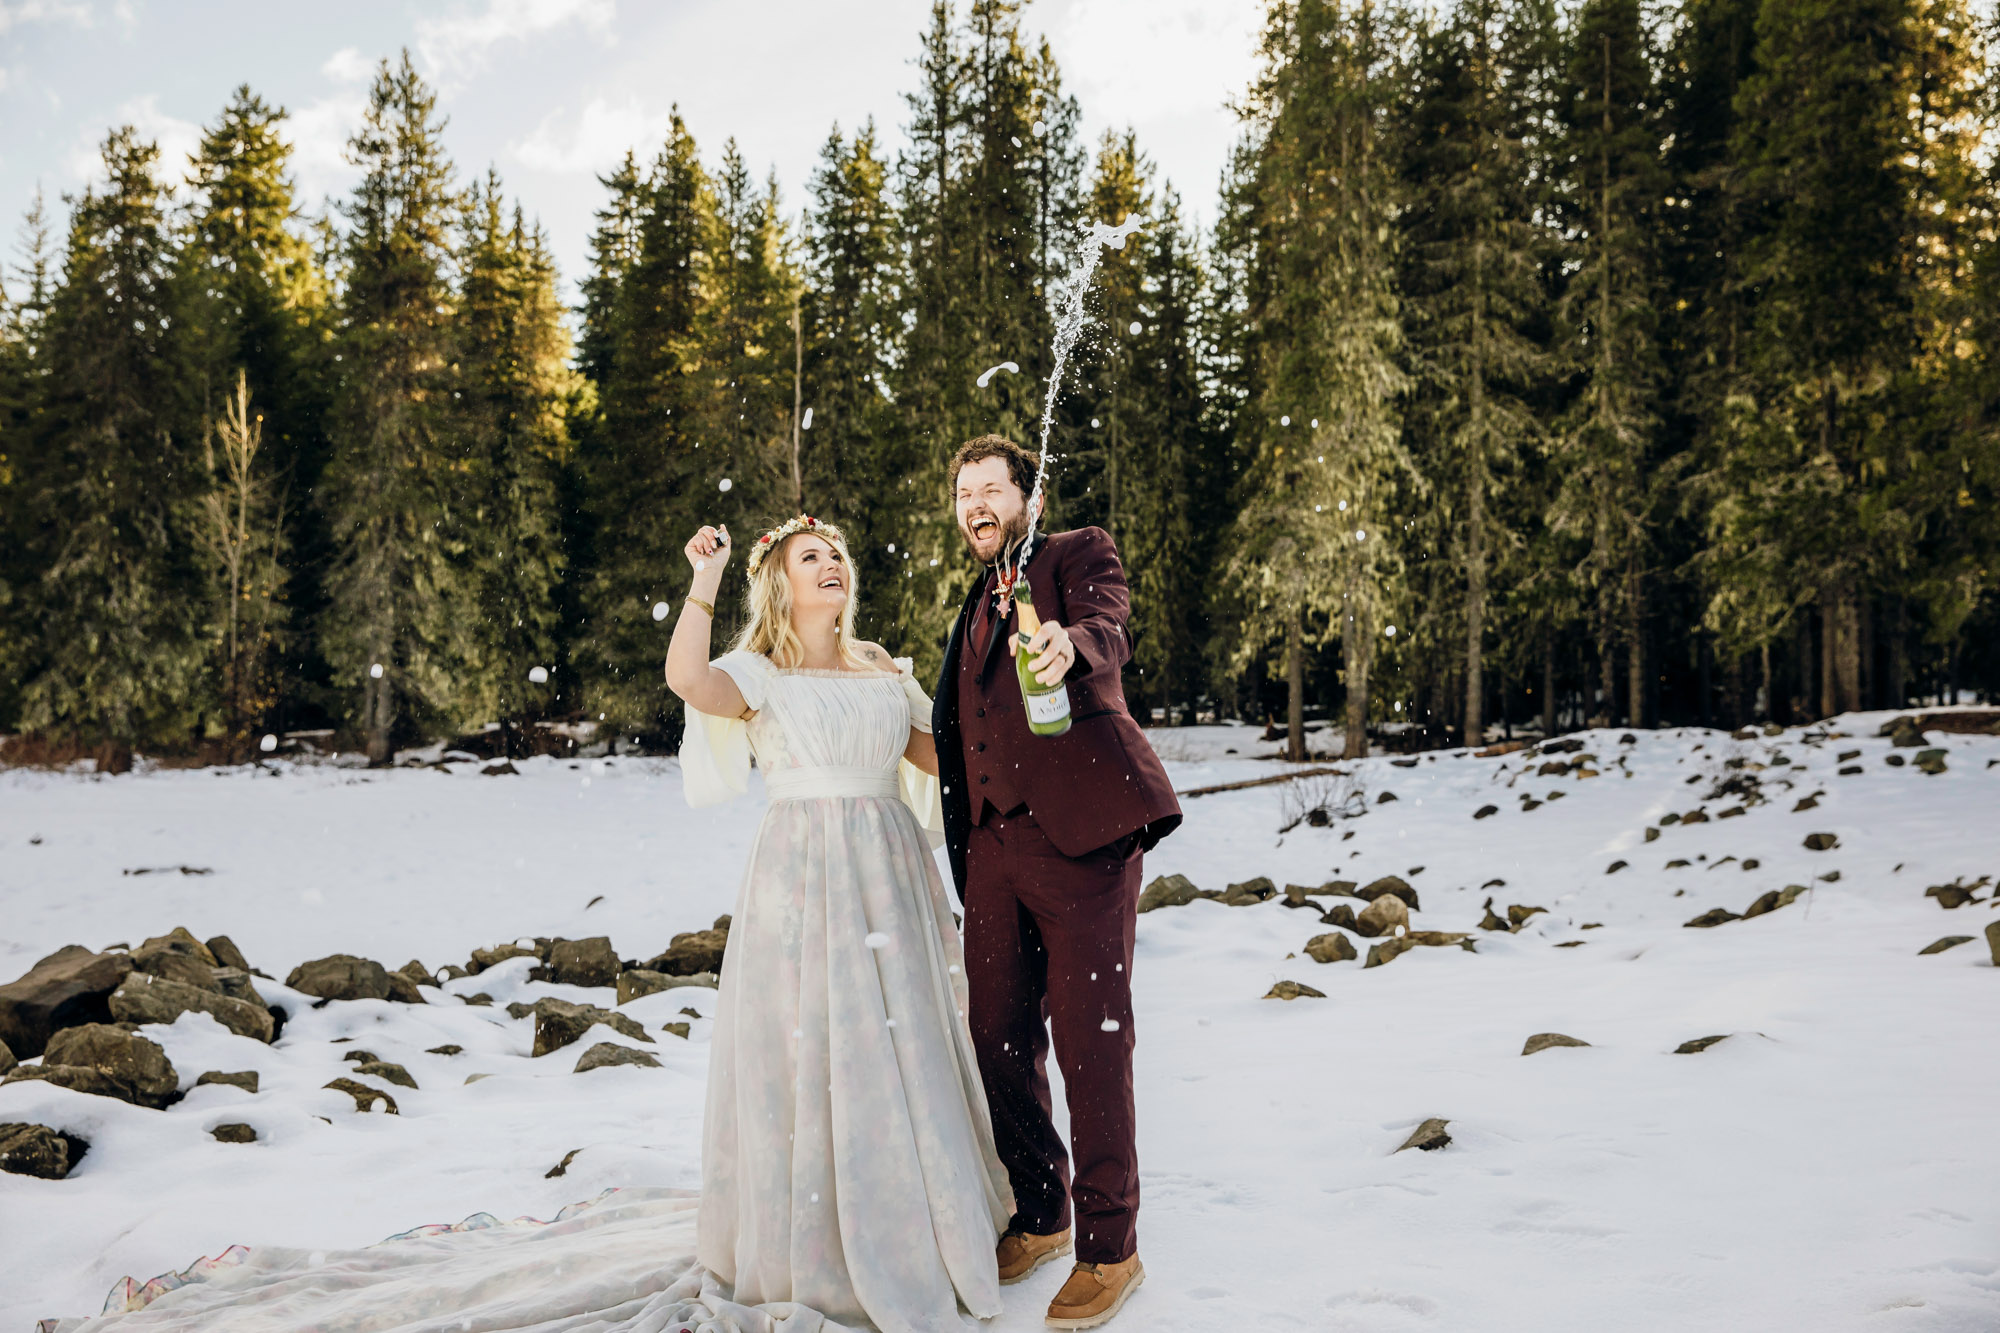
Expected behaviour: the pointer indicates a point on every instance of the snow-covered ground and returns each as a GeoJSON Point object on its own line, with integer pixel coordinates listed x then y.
{"type": "Point", "coordinates": [1832, 1165]}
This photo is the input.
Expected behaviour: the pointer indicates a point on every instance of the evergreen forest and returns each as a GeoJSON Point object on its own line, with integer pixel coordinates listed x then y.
{"type": "Point", "coordinates": [1539, 365]}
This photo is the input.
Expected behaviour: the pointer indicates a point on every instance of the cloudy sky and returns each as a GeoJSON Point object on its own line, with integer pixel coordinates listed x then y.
{"type": "Point", "coordinates": [552, 92]}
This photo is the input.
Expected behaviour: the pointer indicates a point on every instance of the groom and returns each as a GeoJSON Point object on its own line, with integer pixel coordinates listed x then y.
{"type": "Point", "coordinates": [1045, 836]}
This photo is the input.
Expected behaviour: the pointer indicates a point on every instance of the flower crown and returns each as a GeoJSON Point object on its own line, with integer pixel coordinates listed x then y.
{"type": "Point", "coordinates": [803, 523]}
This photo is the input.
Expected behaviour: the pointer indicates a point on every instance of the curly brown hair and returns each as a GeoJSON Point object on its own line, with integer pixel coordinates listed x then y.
{"type": "Point", "coordinates": [1021, 464]}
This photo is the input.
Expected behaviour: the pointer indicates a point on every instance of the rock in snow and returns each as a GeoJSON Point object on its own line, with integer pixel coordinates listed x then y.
{"type": "Point", "coordinates": [37, 1150]}
{"type": "Point", "coordinates": [1428, 1137]}
{"type": "Point", "coordinates": [71, 986]}
{"type": "Point", "coordinates": [1541, 1041]}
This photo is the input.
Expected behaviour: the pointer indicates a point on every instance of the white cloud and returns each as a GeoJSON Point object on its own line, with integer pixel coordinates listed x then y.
{"type": "Point", "coordinates": [593, 141]}
{"type": "Point", "coordinates": [454, 46]}
{"type": "Point", "coordinates": [177, 140]}
{"type": "Point", "coordinates": [348, 65]}
{"type": "Point", "coordinates": [14, 12]}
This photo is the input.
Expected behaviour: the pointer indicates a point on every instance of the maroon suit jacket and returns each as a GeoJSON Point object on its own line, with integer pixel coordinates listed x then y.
{"type": "Point", "coordinates": [1097, 782]}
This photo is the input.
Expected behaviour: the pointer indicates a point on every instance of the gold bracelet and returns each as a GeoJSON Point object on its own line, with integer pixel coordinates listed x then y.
{"type": "Point", "coordinates": [706, 606]}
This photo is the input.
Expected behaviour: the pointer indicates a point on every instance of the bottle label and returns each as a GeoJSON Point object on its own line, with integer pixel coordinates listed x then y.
{"type": "Point", "coordinates": [1050, 707]}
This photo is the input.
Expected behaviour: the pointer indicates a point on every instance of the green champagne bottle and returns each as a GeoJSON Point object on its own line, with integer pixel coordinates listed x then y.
{"type": "Point", "coordinates": [1048, 705]}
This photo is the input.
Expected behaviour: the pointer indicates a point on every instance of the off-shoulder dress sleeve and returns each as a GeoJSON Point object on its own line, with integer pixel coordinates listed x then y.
{"type": "Point", "coordinates": [715, 751]}
{"type": "Point", "coordinates": [920, 789]}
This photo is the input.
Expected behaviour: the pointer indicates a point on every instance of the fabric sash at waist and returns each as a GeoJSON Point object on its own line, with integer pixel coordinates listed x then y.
{"type": "Point", "coordinates": [830, 780]}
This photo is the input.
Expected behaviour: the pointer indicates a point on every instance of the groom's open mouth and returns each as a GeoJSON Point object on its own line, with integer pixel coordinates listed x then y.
{"type": "Point", "coordinates": [982, 528]}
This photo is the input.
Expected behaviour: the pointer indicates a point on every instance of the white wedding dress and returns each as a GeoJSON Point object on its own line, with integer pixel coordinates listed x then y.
{"type": "Point", "coordinates": [848, 1171]}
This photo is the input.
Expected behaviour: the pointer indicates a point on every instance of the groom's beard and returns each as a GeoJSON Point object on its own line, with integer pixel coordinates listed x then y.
{"type": "Point", "coordinates": [1011, 531]}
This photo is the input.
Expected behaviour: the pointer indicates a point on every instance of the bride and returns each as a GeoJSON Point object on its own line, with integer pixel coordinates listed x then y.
{"type": "Point", "coordinates": [847, 1157]}
{"type": "Point", "coordinates": [848, 1169]}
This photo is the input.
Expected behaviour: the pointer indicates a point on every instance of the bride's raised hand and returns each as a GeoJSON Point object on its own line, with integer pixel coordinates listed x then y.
{"type": "Point", "coordinates": [709, 549]}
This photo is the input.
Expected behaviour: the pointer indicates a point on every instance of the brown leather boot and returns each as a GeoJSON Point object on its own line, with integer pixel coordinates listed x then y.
{"type": "Point", "coordinates": [1094, 1293]}
{"type": "Point", "coordinates": [1021, 1253]}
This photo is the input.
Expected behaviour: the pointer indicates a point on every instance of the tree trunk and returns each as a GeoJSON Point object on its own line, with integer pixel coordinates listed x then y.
{"type": "Point", "coordinates": [1549, 684]}
{"type": "Point", "coordinates": [1607, 663]}
{"type": "Point", "coordinates": [1805, 695]}
{"type": "Point", "coordinates": [1829, 703]}
{"type": "Point", "coordinates": [798, 405]}
{"type": "Point", "coordinates": [1765, 705]}
{"type": "Point", "coordinates": [1635, 645]}
{"type": "Point", "coordinates": [1475, 518]}
{"type": "Point", "coordinates": [378, 720]}
{"type": "Point", "coordinates": [1295, 693]}
{"type": "Point", "coordinates": [1847, 661]}
{"type": "Point", "coordinates": [1869, 678]}
{"type": "Point", "coordinates": [1899, 656]}
{"type": "Point", "coordinates": [1354, 670]}
{"type": "Point", "coordinates": [1704, 676]}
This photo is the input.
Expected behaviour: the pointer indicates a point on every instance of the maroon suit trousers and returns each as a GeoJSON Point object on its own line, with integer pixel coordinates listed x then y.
{"type": "Point", "coordinates": [1048, 943]}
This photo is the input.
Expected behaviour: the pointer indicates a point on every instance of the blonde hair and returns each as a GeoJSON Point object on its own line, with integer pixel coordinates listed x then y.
{"type": "Point", "coordinates": [768, 599]}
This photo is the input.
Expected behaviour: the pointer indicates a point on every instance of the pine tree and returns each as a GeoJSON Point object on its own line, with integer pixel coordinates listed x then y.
{"type": "Point", "coordinates": [394, 626]}
{"type": "Point", "coordinates": [513, 355]}
{"type": "Point", "coordinates": [1473, 301]}
{"type": "Point", "coordinates": [23, 385]}
{"type": "Point", "coordinates": [1615, 184]}
{"type": "Point", "coordinates": [647, 479]}
{"type": "Point", "coordinates": [856, 457]}
{"type": "Point", "coordinates": [1315, 537]}
{"type": "Point", "coordinates": [251, 309]}
{"type": "Point", "coordinates": [117, 660]}
{"type": "Point", "coordinates": [750, 351]}
{"type": "Point", "coordinates": [1821, 134]}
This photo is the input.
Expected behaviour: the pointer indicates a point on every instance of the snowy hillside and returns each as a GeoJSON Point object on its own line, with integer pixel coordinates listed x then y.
{"type": "Point", "coordinates": [1830, 1165]}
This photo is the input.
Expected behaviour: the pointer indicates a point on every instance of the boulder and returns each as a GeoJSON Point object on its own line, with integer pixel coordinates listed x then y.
{"type": "Point", "coordinates": [1541, 1041]}
{"type": "Point", "coordinates": [1249, 893]}
{"type": "Point", "coordinates": [634, 982]}
{"type": "Point", "coordinates": [1822, 842]}
{"type": "Point", "coordinates": [449, 1048]}
{"type": "Point", "coordinates": [1332, 947]}
{"type": "Point", "coordinates": [146, 998]}
{"type": "Point", "coordinates": [1615, 867]}
{"type": "Point", "coordinates": [246, 1080]}
{"type": "Point", "coordinates": [1930, 761]}
{"type": "Point", "coordinates": [680, 1030]}
{"type": "Point", "coordinates": [1490, 921]}
{"type": "Point", "coordinates": [1387, 951]}
{"type": "Point", "coordinates": [1395, 884]}
{"type": "Point", "coordinates": [691, 952]}
{"type": "Point", "coordinates": [558, 1023]}
{"type": "Point", "coordinates": [1766, 902]}
{"type": "Point", "coordinates": [1903, 733]}
{"type": "Point", "coordinates": [1950, 895]}
{"type": "Point", "coordinates": [1299, 895]}
{"type": "Point", "coordinates": [417, 972]}
{"type": "Point", "coordinates": [388, 1071]}
{"type": "Point", "coordinates": [1292, 990]}
{"type": "Point", "coordinates": [1485, 810]}
{"type": "Point", "coordinates": [1438, 939]}
{"type": "Point", "coordinates": [588, 962]}
{"type": "Point", "coordinates": [1699, 1044]}
{"type": "Point", "coordinates": [107, 1061]}
{"type": "Point", "coordinates": [1993, 940]}
{"type": "Point", "coordinates": [71, 986]}
{"type": "Point", "coordinates": [1165, 891]}
{"type": "Point", "coordinates": [611, 1053]}
{"type": "Point", "coordinates": [520, 1009]}
{"type": "Point", "coordinates": [1790, 894]}
{"type": "Point", "coordinates": [499, 953]}
{"type": "Point", "coordinates": [364, 1096]}
{"type": "Point", "coordinates": [1384, 916]}
{"type": "Point", "coordinates": [1517, 915]}
{"type": "Point", "coordinates": [1652, 834]}
{"type": "Point", "coordinates": [1340, 914]}
{"type": "Point", "coordinates": [1385, 798]}
{"type": "Point", "coordinates": [403, 990]}
{"type": "Point", "coordinates": [1335, 888]}
{"type": "Point", "coordinates": [181, 968]}
{"type": "Point", "coordinates": [179, 940]}
{"type": "Point", "coordinates": [37, 1150]}
{"type": "Point", "coordinates": [233, 1133]}
{"type": "Point", "coordinates": [357, 1055]}
{"type": "Point", "coordinates": [226, 954]}
{"type": "Point", "coordinates": [1940, 945]}
{"type": "Point", "coordinates": [341, 976]}
{"type": "Point", "coordinates": [1714, 916]}
{"type": "Point", "coordinates": [1694, 817]}
{"type": "Point", "coordinates": [236, 984]}
{"type": "Point", "coordinates": [1428, 1137]}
